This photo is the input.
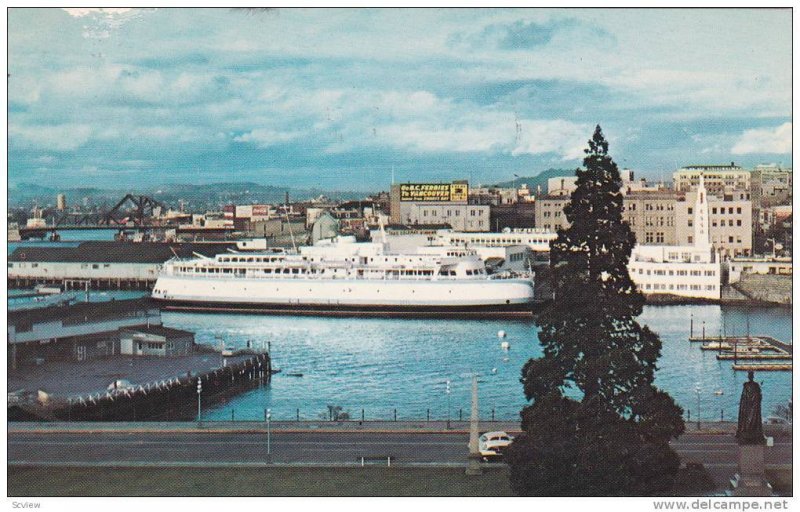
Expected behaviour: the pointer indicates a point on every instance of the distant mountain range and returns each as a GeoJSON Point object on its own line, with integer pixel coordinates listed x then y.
{"type": "Point", "coordinates": [538, 180]}
{"type": "Point", "coordinates": [211, 195]}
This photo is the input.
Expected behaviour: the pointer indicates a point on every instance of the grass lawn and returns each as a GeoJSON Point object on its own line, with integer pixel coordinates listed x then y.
{"type": "Point", "coordinates": [274, 481]}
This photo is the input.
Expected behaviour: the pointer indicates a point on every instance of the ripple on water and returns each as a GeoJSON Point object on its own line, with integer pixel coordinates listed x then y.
{"type": "Point", "coordinates": [383, 364]}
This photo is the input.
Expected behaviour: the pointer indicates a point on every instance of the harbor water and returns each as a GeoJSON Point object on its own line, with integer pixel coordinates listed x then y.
{"type": "Point", "coordinates": [402, 365]}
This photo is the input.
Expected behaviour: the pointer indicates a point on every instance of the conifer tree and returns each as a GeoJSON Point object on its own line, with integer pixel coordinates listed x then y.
{"type": "Point", "coordinates": [597, 425]}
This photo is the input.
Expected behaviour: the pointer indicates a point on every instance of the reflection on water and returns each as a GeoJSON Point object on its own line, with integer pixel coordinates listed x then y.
{"type": "Point", "coordinates": [385, 364]}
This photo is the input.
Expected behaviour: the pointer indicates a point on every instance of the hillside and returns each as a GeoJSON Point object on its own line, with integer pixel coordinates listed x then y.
{"type": "Point", "coordinates": [538, 180]}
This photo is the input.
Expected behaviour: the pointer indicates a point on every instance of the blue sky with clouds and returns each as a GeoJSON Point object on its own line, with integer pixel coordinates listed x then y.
{"type": "Point", "coordinates": [337, 98]}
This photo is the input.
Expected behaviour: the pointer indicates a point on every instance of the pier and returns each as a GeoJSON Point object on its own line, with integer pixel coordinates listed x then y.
{"type": "Point", "coordinates": [154, 388]}
{"type": "Point", "coordinates": [749, 348]}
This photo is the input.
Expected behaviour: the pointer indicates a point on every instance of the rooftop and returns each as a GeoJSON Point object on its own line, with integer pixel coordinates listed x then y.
{"type": "Point", "coordinates": [159, 330]}
{"type": "Point", "coordinates": [117, 252]}
{"type": "Point", "coordinates": [80, 312]}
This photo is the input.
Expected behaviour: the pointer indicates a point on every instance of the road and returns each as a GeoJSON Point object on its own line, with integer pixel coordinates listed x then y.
{"type": "Point", "coordinates": [718, 452]}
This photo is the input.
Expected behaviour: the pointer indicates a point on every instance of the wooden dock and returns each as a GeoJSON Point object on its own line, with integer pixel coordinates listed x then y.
{"type": "Point", "coordinates": [763, 367]}
{"type": "Point", "coordinates": [749, 348]}
{"type": "Point", "coordinates": [764, 357]}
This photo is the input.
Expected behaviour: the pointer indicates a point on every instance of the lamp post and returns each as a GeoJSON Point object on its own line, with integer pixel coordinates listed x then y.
{"type": "Point", "coordinates": [199, 390]}
{"type": "Point", "coordinates": [269, 435]}
{"type": "Point", "coordinates": [474, 460]}
{"type": "Point", "coordinates": [697, 392]}
{"type": "Point", "coordinates": [447, 391]}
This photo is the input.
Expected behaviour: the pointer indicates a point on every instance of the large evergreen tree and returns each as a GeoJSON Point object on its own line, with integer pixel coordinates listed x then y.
{"type": "Point", "coordinates": [597, 425]}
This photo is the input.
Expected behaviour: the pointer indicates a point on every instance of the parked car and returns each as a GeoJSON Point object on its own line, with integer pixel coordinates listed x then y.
{"type": "Point", "coordinates": [491, 445]}
{"type": "Point", "coordinates": [120, 384]}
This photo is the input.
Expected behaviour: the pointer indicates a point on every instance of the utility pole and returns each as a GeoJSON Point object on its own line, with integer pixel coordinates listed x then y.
{"type": "Point", "coordinates": [474, 460]}
{"type": "Point", "coordinates": [199, 390]}
{"type": "Point", "coordinates": [447, 390]}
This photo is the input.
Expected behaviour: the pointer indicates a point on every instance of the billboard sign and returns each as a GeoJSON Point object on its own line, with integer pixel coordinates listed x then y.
{"type": "Point", "coordinates": [438, 192]}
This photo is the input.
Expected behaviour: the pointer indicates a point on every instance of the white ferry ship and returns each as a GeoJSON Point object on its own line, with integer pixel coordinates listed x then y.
{"type": "Point", "coordinates": [342, 277]}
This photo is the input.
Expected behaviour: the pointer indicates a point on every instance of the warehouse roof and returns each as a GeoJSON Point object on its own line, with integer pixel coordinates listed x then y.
{"type": "Point", "coordinates": [81, 312]}
{"type": "Point", "coordinates": [118, 252]}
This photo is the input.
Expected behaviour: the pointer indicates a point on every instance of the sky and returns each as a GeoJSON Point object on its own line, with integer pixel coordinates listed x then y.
{"type": "Point", "coordinates": [344, 99]}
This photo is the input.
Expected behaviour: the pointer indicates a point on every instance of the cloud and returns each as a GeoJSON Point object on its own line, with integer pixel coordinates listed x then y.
{"type": "Point", "coordinates": [564, 138]}
{"type": "Point", "coordinates": [100, 23]}
{"type": "Point", "coordinates": [765, 140]}
{"type": "Point", "coordinates": [65, 137]}
{"type": "Point", "coordinates": [265, 138]}
{"type": "Point", "coordinates": [80, 12]}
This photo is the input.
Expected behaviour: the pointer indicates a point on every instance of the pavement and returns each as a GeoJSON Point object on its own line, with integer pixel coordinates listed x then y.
{"type": "Point", "coordinates": [71, 378]}
{"type": "Point", "coordinates": [242, 444]}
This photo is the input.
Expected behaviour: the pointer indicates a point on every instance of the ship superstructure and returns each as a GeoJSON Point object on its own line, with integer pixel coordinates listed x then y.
{"type": "Point", "coordinates": [341, 276]}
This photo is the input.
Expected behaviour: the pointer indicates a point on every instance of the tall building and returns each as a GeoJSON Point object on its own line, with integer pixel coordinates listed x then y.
{"type": "Point", "coordinates": [61, 202]}
{"type": "Point", "coordinates": [426, 204]}
{"type": "Point", "coordinates": [730, 217]}
{"type": "Point", "coordinates": [718, 178]}
{"type": "Point", "coordinates": [684, 270]}
{"type": "Point", "coordinates": [771, 185]}
{"type": "Point", "coordinates": [565, 185]}
{"type": "Point", "coordinates": [651, 216]}
{"type": "Point", "coordinates": [549, 212]}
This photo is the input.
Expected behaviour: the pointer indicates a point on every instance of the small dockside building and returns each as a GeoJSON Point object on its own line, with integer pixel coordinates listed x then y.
{"type": "Point", "coordinates": [83, 331]}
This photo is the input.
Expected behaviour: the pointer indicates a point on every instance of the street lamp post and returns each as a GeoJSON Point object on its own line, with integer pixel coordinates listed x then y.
{"type": "Point", "coordinates": [474, 461]}
{"type": "Point", "coordinates": [199, 390]}
{"type": "Point", "coordinates": [697, 392]}
{"type": "Point", "coordinates": [447, 390]}
{"type": "Point", "coordinates": [269, 435]}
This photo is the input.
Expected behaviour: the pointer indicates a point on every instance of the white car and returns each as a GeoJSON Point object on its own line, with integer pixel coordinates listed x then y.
{"type": "Point", "coordinates": [120, 384]}
{"type": "Point", "coordinates": [492, 444]}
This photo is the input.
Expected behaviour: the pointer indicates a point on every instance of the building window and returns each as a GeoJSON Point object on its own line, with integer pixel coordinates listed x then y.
{"type": "Point", "coordinates": [690, 210]}
{"type": "Point", "coordinates": [730, 239]}
{"type": "Point", "coordinates": [714, 211]}
{"type": "Point", "coordinates": [739, 210]}
{"type": "Point", "coordinates": [738, 222]}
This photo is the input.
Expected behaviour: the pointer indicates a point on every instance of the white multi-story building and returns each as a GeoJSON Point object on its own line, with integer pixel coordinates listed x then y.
{"type": "Point", "coordinates": [691, 271]}
{"type": "Point", "coordinates": [537, 239]}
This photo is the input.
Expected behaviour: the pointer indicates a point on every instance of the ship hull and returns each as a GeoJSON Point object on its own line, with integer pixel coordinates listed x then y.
{"type": "Point", "coordinates": [477, 298]}
{"type": "Point", "coordinates": [503, 311]}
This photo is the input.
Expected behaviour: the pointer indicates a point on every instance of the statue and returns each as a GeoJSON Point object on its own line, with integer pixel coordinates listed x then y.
{"type": "Point", "coordinates": [750, 430]}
